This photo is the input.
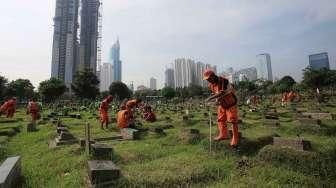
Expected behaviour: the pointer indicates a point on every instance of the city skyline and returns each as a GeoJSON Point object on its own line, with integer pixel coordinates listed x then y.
{"type": "Point", "coordinates": [225, 34]}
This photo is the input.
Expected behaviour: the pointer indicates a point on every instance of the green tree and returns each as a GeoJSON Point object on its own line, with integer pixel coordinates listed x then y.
{"type": "Point", "coordinates": [168, 92]}
{"type": "Point", "coordinates": [51, 89]}
{"type": "Point", "coordinates": [21, 88]}
{"type": "Point", "coordinates": [85, 85]}
{"type": "Point", "coordinates": [284, 85]}
{"type": "Point", "coordinates": [3, 87]}
{"type": "Point", "coordinates": [120, 90]}
{"type": "Point", "coordinates": [195, 90]}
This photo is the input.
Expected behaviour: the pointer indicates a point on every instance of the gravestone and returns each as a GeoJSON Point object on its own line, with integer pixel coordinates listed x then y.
{"type": "Point", "coordinates": [309, 122]}
{"type": "Point", "coordinates": [65, 138]}
{"type": "Point", "coordinates": [101, 151]}
{"type": "Point", "coordinates": [10, 173]}
{"type": "Point", "coordinates": [129, 134]}
{"type": "Point", "coordinates": [61, 129]}
{"type": "Point", "coordinates": [325, 116]}
{"type": "Point", "coordinates": [295, 143]}
{"type": "Point", "coordinates": [102, 172]}
{"type": "Point", "coordinates": [185, 118]}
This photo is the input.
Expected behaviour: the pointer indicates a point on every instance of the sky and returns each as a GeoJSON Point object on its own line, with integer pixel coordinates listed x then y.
{"type": "Point", "coordinates": [153, 33]}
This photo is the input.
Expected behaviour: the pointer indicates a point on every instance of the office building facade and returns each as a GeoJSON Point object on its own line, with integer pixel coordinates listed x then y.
{"type": "Point", "coordinates": [319, 61]}
{"type": "Point", "coordinates": [264, 67]}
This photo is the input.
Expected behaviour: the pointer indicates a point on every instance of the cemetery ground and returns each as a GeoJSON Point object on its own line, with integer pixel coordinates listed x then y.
{"type": "Point", "coordinates": [173, 158]}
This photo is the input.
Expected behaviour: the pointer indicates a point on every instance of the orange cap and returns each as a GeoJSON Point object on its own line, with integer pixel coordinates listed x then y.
{"type": "Point", "coordinates": [207, 73]}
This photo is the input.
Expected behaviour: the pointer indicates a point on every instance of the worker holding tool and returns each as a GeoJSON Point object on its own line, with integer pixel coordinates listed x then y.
{"type": "Point", "coordinates": [227, 105]}
{"type": "Point", "coordinates": [103, 111]}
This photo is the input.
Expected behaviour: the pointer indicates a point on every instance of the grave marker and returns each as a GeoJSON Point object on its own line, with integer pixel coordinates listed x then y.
{"type": "Point", "coordinates": [102, 151]}
{"type": "Point", "coordinates": [10, 172]}
{"type": "Point", "coordinates": [129, 134]}
{"type": "Point", "coordinates": [295, 143]}
{"type": "Point", "coordinates": [102, 172]}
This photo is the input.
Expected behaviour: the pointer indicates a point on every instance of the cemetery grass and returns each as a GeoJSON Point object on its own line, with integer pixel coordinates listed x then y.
{"type": "Point", "coordinates": [165, 161]}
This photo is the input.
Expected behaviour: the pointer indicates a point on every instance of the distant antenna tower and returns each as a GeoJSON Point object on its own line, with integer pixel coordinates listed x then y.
{"type": "Point", "coordinates": [100, 36]}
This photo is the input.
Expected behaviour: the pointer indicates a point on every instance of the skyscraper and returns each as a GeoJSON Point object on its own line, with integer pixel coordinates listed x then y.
{"type": "Point", "coordinates": [169, 78]}
{"type": "Point", "coordinates": [249, 74]}
{"type": "Point", "coordinates": [184, 71]}
{"type": "Point", "coordinates": [152, 84]}
{"type": "Point", "coordinates": [89, 34]}
{"type": "Point", "coordinates": [319, 61]}
{"type": "Point", "coordinates": [106, 76]}
{"type": "Point", "coordinates": [199, 70]}
{"type": "Point", "coordinates": [115, 60]}
{"type": "Point", "coordinates": [264, 67]}
{"type": "Point", "coordinates": [65, 45]}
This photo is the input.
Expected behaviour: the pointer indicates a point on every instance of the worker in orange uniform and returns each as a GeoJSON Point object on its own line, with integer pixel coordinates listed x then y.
{"type": "Point", "coordinates": [148, 114]}
{"type": "Point", "coordinates": [103, 111]}
{"type": "Point", "coordinates": [33, 109]}
{"type": "Point", "coordinates": [134, 103]}
{"type": "Point", "coordinates": [9, 108]}
{"type": "Point", "coordinates": [124, 119]}
{"type": "Point", "coordinates": [227, 105]}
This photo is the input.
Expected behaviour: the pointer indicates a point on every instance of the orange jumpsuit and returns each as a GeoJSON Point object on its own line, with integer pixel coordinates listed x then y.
{"type": "Point", "coordinates": [225, 114]}
{"type": "Point", "coordinates": [33, 110]}
{"type": "Point", "coordinates": [149, 116]}
{"type": "Point", "coordinates": [124, 119]}
{"type": "Point", "coordinates": [9, 107]}
{"type": "Point", "coordinates": [103, 111]}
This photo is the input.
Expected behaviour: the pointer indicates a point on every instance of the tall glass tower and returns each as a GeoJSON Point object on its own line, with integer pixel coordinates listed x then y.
{"type": "Point", "coordinates": [264, 67]}
{"type": "Point", "coordinates": [115, 60]}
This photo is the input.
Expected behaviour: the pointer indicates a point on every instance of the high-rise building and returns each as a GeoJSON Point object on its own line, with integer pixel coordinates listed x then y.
{"type": "Point", "coordinates": [184, 71]}
{"type": "Point", "coordinates": [89, 34]}
{"type": "Point", "coordinates": [65, 44]}
{"type": "Point", "coordinates": [199, 70]}
{"type": "Point", "coordinates": [115, 60]}
{"type": "Point", "coordinates": [106, 76]}
{"type": "Point", "coordinates": [319, 61]}
{"type": "Point", "coordinates": [264, 67]}
{"type": "Point", "coordinates": [169, 78]}
{"type": "Point", "coordinates": [249, 74]}
{"type": "Point", "coordinates": [152, 84]}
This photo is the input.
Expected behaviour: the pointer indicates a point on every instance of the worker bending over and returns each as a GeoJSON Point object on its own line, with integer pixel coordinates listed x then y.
{"type": "Point", "coordinates": [227, 105]}
{"type": "Point", "coordinates": [148, 114]}
{"type": "Point", "coordinates": [125, 117]}
{"type": "Point", "coordinates": [103, 111]}
{"type": "Point", "coordinates": [9, 108]}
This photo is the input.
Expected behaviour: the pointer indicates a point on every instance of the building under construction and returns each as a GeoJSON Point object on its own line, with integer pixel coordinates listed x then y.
{"type": "Point", "coordinates": [65, 41]}
{"type": "Point", "coordinates": [70, 54]}
{"type": "Point", "coordinates": [89, 34]}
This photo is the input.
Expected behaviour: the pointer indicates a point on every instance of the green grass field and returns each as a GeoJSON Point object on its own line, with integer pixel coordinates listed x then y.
{"type": "Point", "coordinates": [166, 161]}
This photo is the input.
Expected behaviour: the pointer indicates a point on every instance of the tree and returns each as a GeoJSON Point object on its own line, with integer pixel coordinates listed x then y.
{"type": "Point", "coordinates": [168, 92]}
{"type": "Point", "coordinates": [51, 89]}
{"type": "Point", "coordinates": [3, 87]}
{"type": "Point", "coordinates": [285, 84]}
{"type": "Point", "coordinates": [20, 88]}
{"type": "Point", "coordinates": [195, 90]}
{"type": "Point", "coordinates": [318, 78]}
{"type": "Point", "coordinates": [85, 84]}
{"type": "Point", "coordinates": [120, 90]}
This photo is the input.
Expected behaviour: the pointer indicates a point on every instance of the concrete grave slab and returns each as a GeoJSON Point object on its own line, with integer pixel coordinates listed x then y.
{"type": "Point", "coordinates": [309, 122]}
{"type": "Point", "coordinates": [10, 173]}
{"type": "Point", "coordinates": [295, 143]}
{"type": "Point", "coordinates": [102, 172]}
{"type": "Point", "coordinates": [324, 116]}
{"type": "Point", "coordinates": [101, 151]}
{"type": "Point", "coordinates": [129, 134]}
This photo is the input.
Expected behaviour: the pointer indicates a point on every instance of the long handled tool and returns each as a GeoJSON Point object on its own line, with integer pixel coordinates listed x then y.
{"type": "Point", "coordinates": [210, 125]}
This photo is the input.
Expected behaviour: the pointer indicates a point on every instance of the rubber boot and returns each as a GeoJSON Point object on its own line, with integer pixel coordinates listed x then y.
{"type": "Point", "coordinates": [223, 132]}
{"type": "Point", "coordinates": [235, 135]}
